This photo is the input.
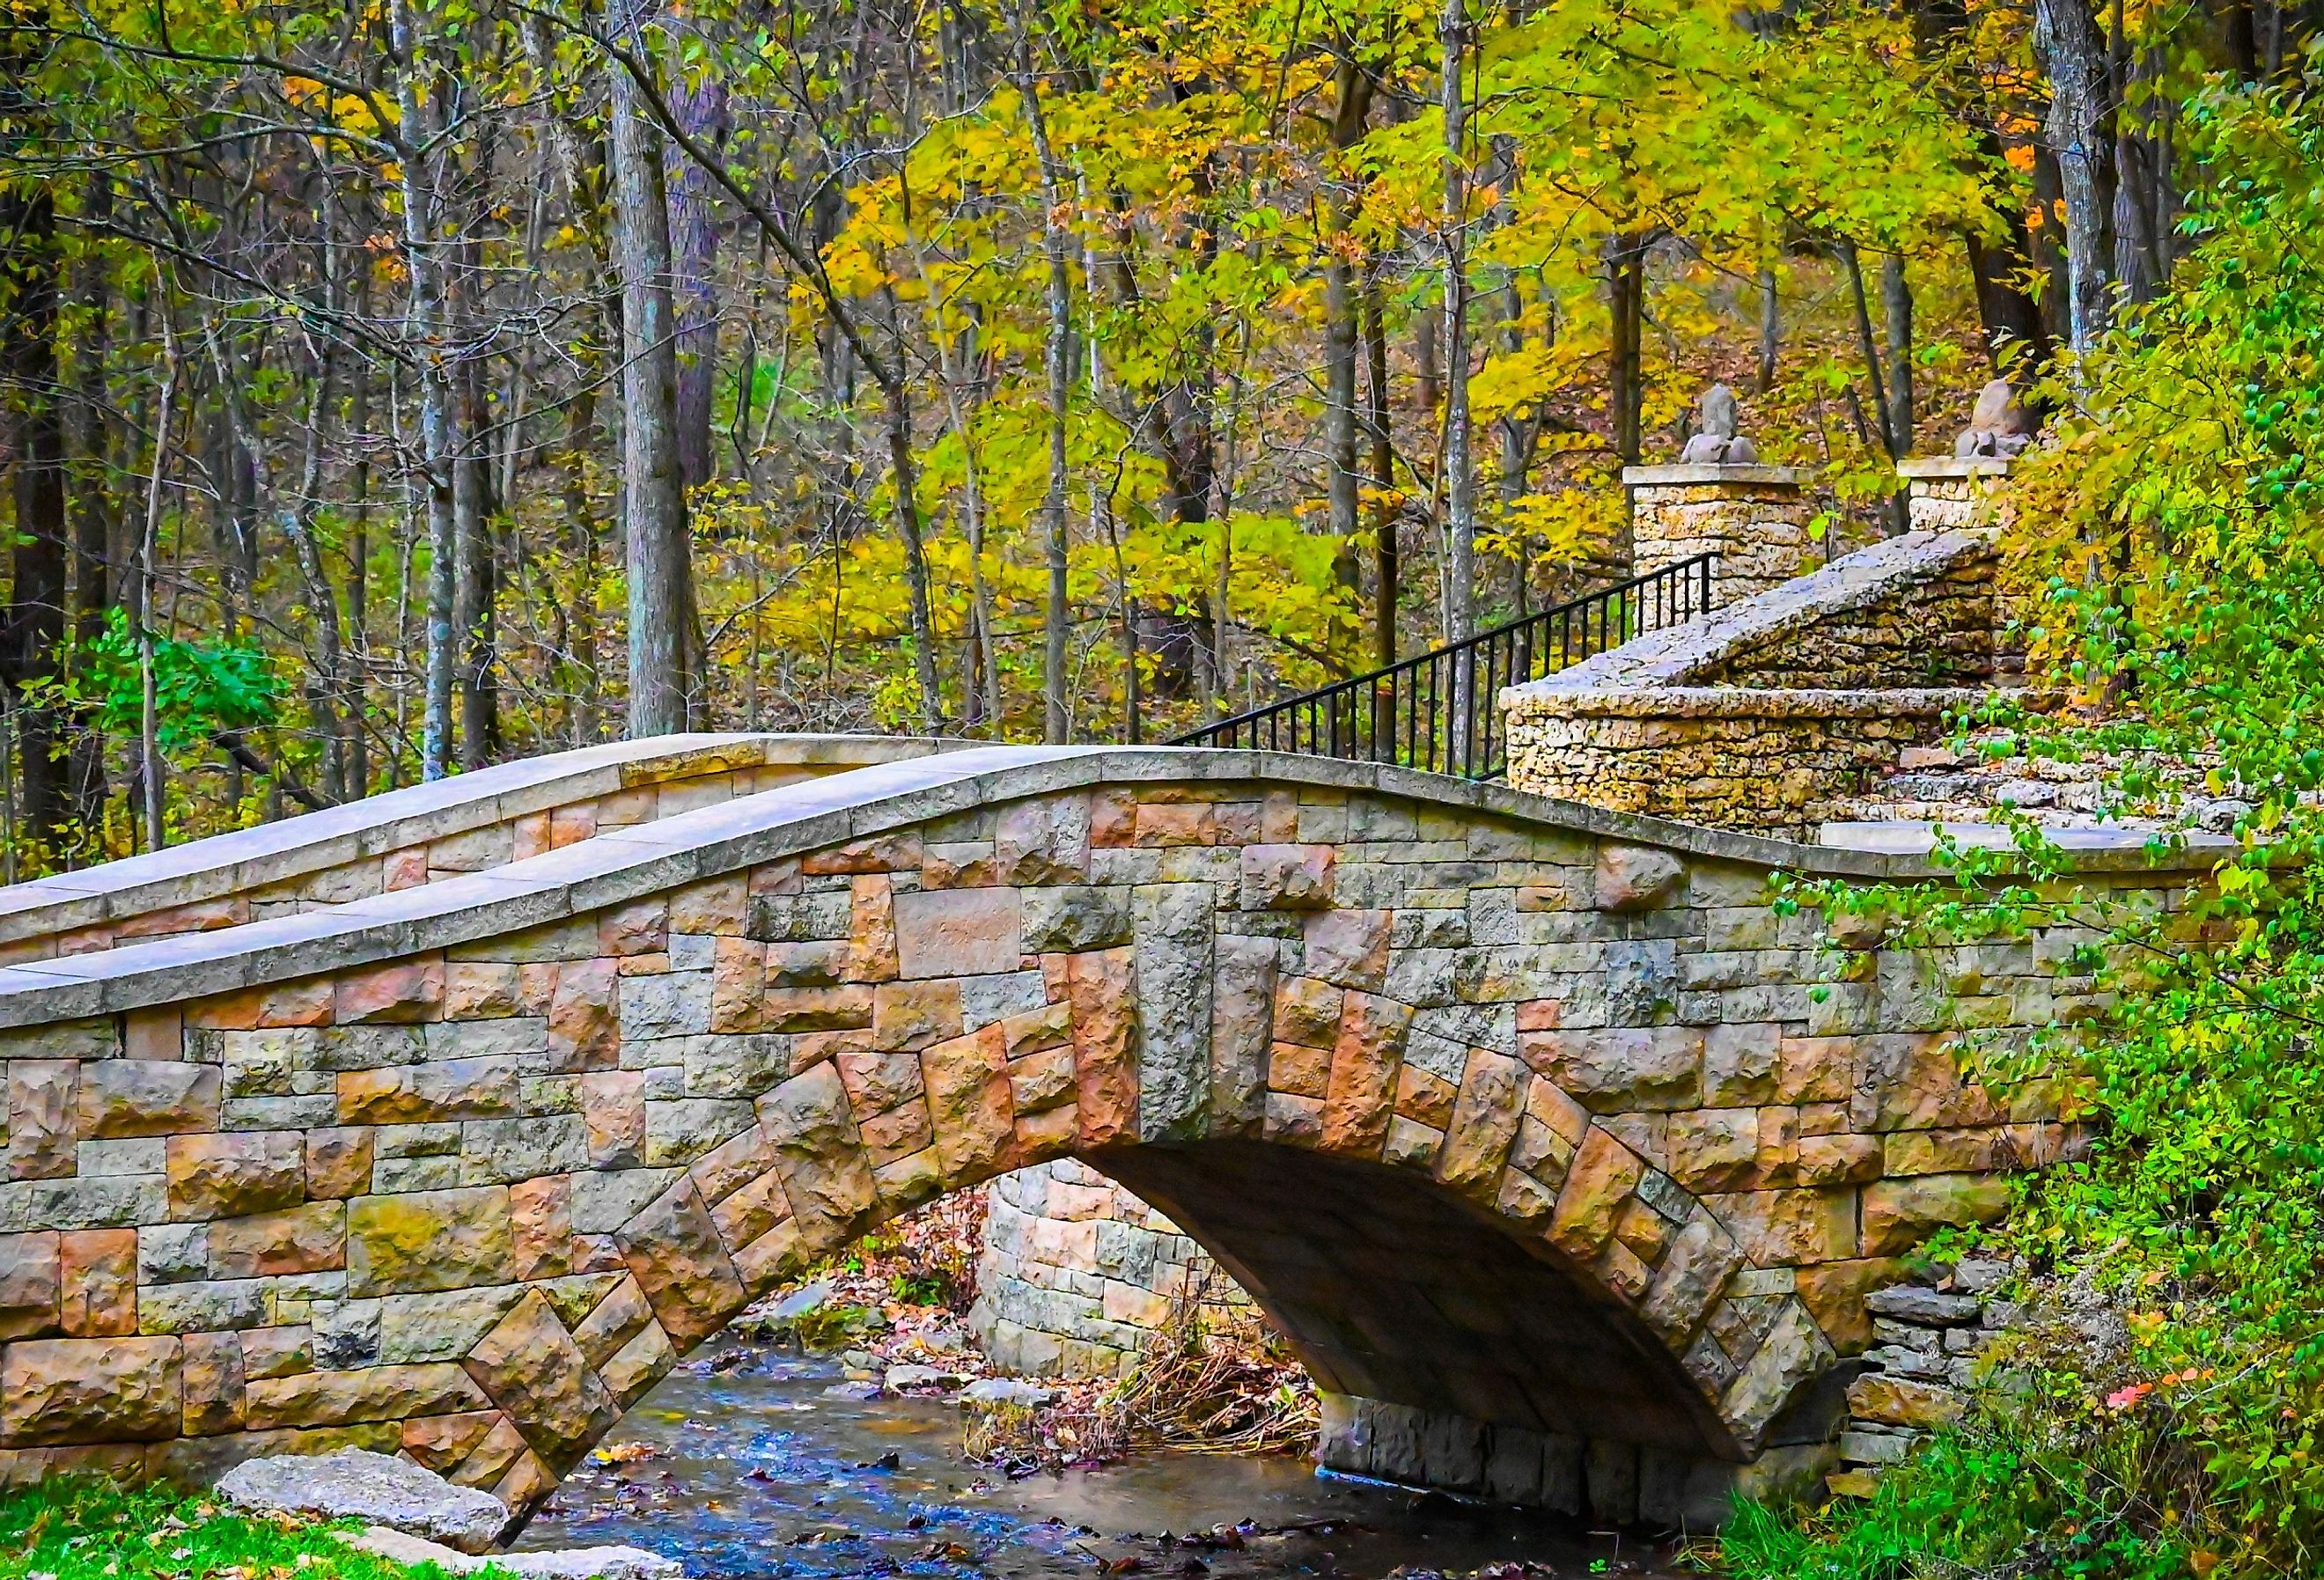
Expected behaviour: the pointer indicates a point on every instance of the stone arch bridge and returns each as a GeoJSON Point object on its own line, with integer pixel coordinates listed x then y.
{"type": "Point", "coordinates": [1564, 1161]}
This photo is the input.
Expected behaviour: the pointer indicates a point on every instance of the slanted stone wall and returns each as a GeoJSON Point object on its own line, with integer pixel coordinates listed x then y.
{"type": "Point", "coordinates": [1769, 712]}
{"type": "Point", "coordinates": [1078, 1276]}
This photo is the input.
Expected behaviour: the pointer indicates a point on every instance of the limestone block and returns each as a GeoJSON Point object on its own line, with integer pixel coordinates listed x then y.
{"type": "Point", "coordinates": [1174, 928]}
{"type": "Point", "coordinates": [531, 1368]}
{"type": "Point", "coordinates": [1066, 918]}
{"type": "Point", "coordinates": [1904, 1402]}
{"type": "Point", "coordinates": [674, 1253]}
{"type": "Point", "coordinates": [146, 1097]}
{"type": "Point", "coordinates": [668, 1003]}
{"type": "Point", "coordinates": [90, 1391]}
{"type": "Point", "coordinates": [372, 1487]}
{"type": "Point", "coordinates": [1286, 877]}
{"type": "Point", "coordinates": [584, 1028]}
{"type": "Point", "coordinates": [229, 1175]}
{"type": "Point", "coordinates": [297, 1240]}
{"type": "Point", "coordinates": [1632, 878]}
{"type": "Point", "coordinates": [1793, 1352]}
{"type": "Point", "coordinates": [97, 1282]}
{"type": "Point", "coordinates": [1703, 1258]}
{"type": "Point", "coordinates": [1622, 1069]}
{"type": "Point", "coordinates": [212, 1379]}
{"type": "Point", "coordinates": [31, 1285]}
{"type": "Point", "coordinates": [1348, 948]}
{"type": "Point", "coordinates": [1044, 841]}
{"type": "Point", "coordinates": [1899, 1214]}
{"type": "Point", "coordinates": [958, 932]}
{"type": "Point", "coordinates": [428, 1240]}
{"type": "Point", "coordinates": [43, 1123]}
{"type": "Point", "coordinates": [399, 993]}
{"type": "Point", "coordinates": [446, 1089]}
{"type": "Point", "coordinates": [967, 1087]}
{"type": "Point", "coordinates": [1603, 1175]}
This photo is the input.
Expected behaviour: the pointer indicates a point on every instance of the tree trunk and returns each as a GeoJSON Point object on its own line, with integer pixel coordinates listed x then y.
{"type": "Point", "coordinates": [29, 370]}
{"type": "Point", "coordinates": [93, 507]}
{"type": "Point", "coordinates": [1771, 329]}
{"type": "Point", "coordinates": [427, 336]}
{"type": "Point", "coordinates": [1058, 241]}
{"type": "Point", "coordinates": [1626, 281]}
{"type": "Point", "coordinates": [701, 109]}
{"type": "Point", "coordinates": [2074, 56]}
{"type": "Point", "coordinates": [663, 641]}
{"type": "Point", "coordinates": [1351, 104]}
{"type": "Point", "coordinates": [1896, 306]}
{"type": "Point", "coordinates": [1386, 570]}
{"type": "Point", "coordinates": [1460, 473]}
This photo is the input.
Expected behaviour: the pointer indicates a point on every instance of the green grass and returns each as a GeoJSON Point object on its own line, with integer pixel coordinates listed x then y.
{"type": "Point", "coordinates": [81, 1528]}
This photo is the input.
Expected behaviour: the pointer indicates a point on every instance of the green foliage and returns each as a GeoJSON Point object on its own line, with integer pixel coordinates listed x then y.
{"type": "Point", "coordinates": [2171, 552]}
{"type": "Point", "coordinates": [201, 688]}
{"type": "Point", "coordinates": [84, 1528]}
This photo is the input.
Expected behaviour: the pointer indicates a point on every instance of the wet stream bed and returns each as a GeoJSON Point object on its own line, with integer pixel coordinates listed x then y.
{"type": "Point", "coordinates": [761, 1470]}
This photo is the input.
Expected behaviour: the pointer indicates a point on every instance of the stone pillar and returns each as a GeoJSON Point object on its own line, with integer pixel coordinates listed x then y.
{"type": "Point", "coordinates": [1942, 492]}
{"type": "Point", "coordinates": [1755, 518]}
{"type": "Point", "coordinates": [1077, 1274]}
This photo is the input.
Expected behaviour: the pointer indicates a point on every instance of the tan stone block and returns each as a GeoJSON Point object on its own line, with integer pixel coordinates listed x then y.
{"type": "Point", "coordinates": [1298, 1071]}
{"type": "Point", "coordinates": [540, 1227]}
{"type": "Point", "coordinates": [299, 1240]}
{"type": "Point", "coordinates": [1411, 1144]}
{"type": "Point", "coordinates": [277, 1352]}
{"type": "Point", "coordinates": [889, 852]}
{"type": "Point", "coordinates": [1603, 1175]}
{"type": "Point", "coordinates": [43, 1118]}
{"type": "Point", "coordinates": [97, 1279]}
{"type": "Point", "coordinates": [673, 1250]}
{"type": "Point", "coordinates": [1702, 1258]}
{"type": "Point", "coordinates": [1423, 1098]}
{"type": "Point", "coordinates": [1105, 1073]}
{"type": "Point", "coordinates": [404, 869]}
{"type": "Point", "coordinates": [231, 1176]}
{"type": "Point", "coordinates": [1040, 1081]}
{"type": "Point", "coordinates": [1359, 1096]}
{"type": "Point", "coordinates": [711, 907]}
{"type": "Point", "coordinates": [1913, 1082]}
{"type": "Point", "coordinates": [1164, 825]}
{"type": "Point", "coordinates": [1840, 1160]}
{"type": "Point", "coordinates": [583, 1028]}
{"type": "Point", "coordinates": [372, 1393]}
{"type": "Point", "coordinates": [1789, 1228]}
{"type": "Point", "coordinates": [958, 932]}
{"type": "Point", "coordinates": [1348, 949]}
{"type": "Point", "coordinates": [1039, 1030]}
{"type": "Point", "coordinates": [1485, 1119]}
{"type": "Point", "coordinates": [1904, 1402]}
{"type": "Point", "coordinates": [738, 984]}
{"type": "Point", "coordinates": [1622, 1070]}
{"type": "Point", "coordinates": [871, 955]}
{"type": "Point", "coordinates": [1043, 841]}
{"type": "Point", "coordinates": [1286, 877]}
{"type": "Point", "coordinates": [211, 1368]}
{"type": "Point", "coordinates": [489, 1460]}
{"type": "Point", "coordinates": [445, 1089]}
{"type": "Point", "coordinates": [899, 1133]}
{"type": "Point", "coordinates": [1816, 1069]}
{"type": "Point", "coordinates": [1833, 1293]}
{"type": "Point", "coordinates": [1715, 1149]}
{"type": "Point", "coordinates": [1307, 1011]}
{"type": "Point", "coordinates": [1634, 878]}
{"type": "Point", "coordinates": [1742, 1065]}
{"type": "Point", "coordinates": [1899, 1214]}
{"type": "Point", "coordinates": [571, 824]}
{"type": "Point", "coordinates": [619, 1317]}
{"type": "Point", "coordinates": [198, 916]}
{"type": "Point", "coordinates": [640, 928]}
{"type": "Point", "coordinates": [531, 1368]}
{"type": "Point", "coordinates": [820, 1009]}
{"type": "Point", "coordinates": [125, 1097]}
{"type": "Point", "coordinates": [638, 1365]}
{"type": "Point", "coordinates": [155, 1033]}
{"type": "Point", "coordinates": [429, 1240]}
{"type": "Point", "coordinates": [914, 1015]}
{"type": "Point", "coordinates": [1547, 1103]}
{"type": "Point", "coordinates": [406, 992]}
{"type": "Point", "coordinates": [439, 1443]}
{"type": "Point", "coordinates": [1624, 1273]}
{"type": "Point", "coordinates": [742, 1215]}
{"type": "Point", "coordinates": [32, 1274]}
{"type": "Point", "coordinates": [1295, 1121]}
{"type": "Point", "coordinates": [1642, 1230]}
{"type": "Point", "coordinates": [90, 1390]}
{"type": "Point", "coordinates": [613, 1115]}
{"type": "Point", "coordinates": [1113, 818]}
{"type": "Point", "coordinates": [338, 1163]}
{"type": "Point", "coordinates": [968, 1099]}
{"type": "Point", "coordinates": [479, 990]}
{"type": "Point", "coordinates": [1047, 1134]}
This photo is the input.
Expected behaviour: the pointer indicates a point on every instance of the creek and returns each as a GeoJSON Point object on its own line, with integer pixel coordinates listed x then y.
{"type": "Point", "coordinates": [760, 1470]}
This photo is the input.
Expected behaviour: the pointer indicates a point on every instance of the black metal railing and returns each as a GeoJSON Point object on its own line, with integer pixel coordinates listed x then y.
{"type": "Point", "coordinates": [1436, 711]}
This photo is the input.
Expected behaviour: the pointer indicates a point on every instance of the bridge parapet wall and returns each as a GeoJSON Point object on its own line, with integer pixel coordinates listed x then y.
{"type": "Point", "coordinates": [1505, 1110]}
{"type": "Point", "coordinates": [419, 835]}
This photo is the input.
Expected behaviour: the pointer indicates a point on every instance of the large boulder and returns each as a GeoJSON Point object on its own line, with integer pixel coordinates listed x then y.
{"type": "Point", "coordinates": [355, 1484]}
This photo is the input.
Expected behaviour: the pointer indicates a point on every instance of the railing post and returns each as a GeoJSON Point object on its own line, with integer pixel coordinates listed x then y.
{"type": "Point", "coordinates": [1754, 518]}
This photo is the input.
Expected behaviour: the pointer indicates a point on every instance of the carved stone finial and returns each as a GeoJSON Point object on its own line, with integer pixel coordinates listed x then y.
{"type": "Point", "coordinates": [1997, 425]}
{"type": "Point", "coordinates": [1715, 440]}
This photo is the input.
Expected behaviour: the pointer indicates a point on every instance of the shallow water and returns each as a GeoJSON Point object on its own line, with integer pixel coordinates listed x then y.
{"type": "Point", "coordinates": [764, 1472]}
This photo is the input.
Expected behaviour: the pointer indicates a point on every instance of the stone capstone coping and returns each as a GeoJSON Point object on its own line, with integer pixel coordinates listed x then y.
{"type": "Point", "coordinates": [1909, 838]}
{"type": "Point", "coordinates": [293, 847]}
{"type": "Point", "coordinates": [1680, 653]}
{"type": "Point", "coordinates": [1695, 474]}
{"type": "Point", "coordinates": [1749, 702]}
{"type": "Point", "coordinates": [630, 864]}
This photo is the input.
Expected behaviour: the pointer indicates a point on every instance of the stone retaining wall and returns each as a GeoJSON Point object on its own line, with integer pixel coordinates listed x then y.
{"type": "Point", "coordinates": [1768, 713]}
{"type": "Point", "coordinates": [1079, 1275]}
{"type": "Point", "coordinates": [1931, 1338]}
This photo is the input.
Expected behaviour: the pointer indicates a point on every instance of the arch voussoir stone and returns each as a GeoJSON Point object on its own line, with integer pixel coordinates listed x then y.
{"type": "Point", "coordinates": [1563, 1161]}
